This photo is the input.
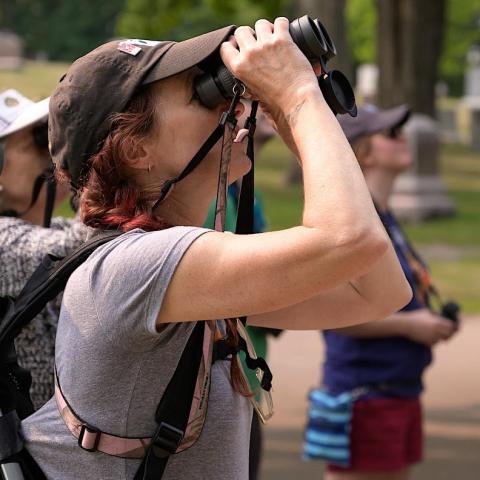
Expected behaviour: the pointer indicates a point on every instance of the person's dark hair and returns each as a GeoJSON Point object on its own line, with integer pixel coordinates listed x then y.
{"type": "Point", "coordinates": [110, 199]}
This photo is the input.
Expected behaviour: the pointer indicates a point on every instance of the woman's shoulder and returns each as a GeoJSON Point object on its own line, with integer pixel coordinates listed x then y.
{"type": "Point", "coordinates": [140, 253]}
{"type": "Point", "coordinates": [138, 240]}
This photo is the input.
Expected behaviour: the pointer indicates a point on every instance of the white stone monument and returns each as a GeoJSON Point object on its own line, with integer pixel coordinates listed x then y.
{"type": "Point", "coordinates": [366, 87]}
{"type": "Point", "coordinates": [472, 95]}
{"type": "Point", "coordinates": [420, 193]}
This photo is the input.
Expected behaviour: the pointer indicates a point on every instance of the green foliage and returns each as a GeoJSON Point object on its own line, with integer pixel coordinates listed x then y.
{"type": "Point", "coordinates": [63, 29]}
{"type": "Point", "coordinates": [463, 30]}
{"type": "Point", "coordinates": [186, 18]}
{"type": "Point", "coordinates": [361, 18]}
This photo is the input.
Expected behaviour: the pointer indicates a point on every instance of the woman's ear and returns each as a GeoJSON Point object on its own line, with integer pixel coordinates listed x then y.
{"type": "Point", "coordinates": [137, 154]}
{"type": "Point", "coordinates": [363, 149]}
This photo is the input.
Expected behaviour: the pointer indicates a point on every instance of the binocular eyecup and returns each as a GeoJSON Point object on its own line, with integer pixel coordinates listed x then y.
{"type": "Point", "coordinates": [213, 88]}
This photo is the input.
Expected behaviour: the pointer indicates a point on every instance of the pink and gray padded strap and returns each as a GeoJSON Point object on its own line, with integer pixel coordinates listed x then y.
{"type": "Point", "coordinates": [92, 439]}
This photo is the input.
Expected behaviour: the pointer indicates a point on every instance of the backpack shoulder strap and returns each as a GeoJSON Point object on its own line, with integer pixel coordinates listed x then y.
{"type": "Point", "coordinates": [46, 282]}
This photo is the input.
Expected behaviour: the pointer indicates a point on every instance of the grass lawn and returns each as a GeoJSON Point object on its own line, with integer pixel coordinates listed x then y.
{"type": "Point", "coordinates": [457, 275]}
{"type": "Point", "coordinates": [36, 80]}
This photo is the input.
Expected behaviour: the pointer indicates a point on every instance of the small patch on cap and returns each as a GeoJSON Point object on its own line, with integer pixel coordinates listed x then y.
{"type": "Point", "coordinates": [130, 48]}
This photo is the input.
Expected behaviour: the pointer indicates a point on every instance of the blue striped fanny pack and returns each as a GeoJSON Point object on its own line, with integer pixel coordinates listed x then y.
{"type": "Point", "coordinates": [327, 435]}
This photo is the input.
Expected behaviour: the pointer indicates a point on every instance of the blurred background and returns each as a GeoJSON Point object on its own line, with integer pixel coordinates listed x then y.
{"type": "Point", "coordinates": [424, 53]}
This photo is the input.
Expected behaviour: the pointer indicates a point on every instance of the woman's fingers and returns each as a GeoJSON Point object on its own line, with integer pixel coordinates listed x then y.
{"type": "Point", "coordinates": [228, 52]}
{"type": "Point", "coordinates": [263, 29]}
{"type": "Point", "coordinates": [281, 27]}
{"type": "Point", "coordinates": [245, 37]}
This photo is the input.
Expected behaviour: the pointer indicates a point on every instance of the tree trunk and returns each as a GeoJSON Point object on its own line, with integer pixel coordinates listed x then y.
{"type": "Point", "coordinates": [409, 44]}
{"type": "Point", "coordinates": [332, 15]}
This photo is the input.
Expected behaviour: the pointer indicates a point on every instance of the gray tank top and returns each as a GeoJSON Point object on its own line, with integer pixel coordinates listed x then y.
{"type": "Point", "coordinates": [113, 367]}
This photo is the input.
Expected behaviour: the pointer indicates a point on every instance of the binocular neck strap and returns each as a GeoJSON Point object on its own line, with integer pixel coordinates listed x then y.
{"type": "Point", "coordinates": [215, 136]}
{"type": "Point", "coordinates": [246, 197]}
{"type": "Point", "coordinates": [50, 201]}
{"type": "Point", "coordinates": [45, 177]}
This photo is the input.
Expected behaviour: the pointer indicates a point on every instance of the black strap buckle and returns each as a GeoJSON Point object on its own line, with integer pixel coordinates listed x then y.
{"type": "Point", "coordinates": [167, 438]}
{"type": "Point", "coordinates": [89, 431]}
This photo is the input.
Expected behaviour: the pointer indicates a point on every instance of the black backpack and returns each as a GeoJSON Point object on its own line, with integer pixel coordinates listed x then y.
{"type": "Point", "coordinates": [48, 280]}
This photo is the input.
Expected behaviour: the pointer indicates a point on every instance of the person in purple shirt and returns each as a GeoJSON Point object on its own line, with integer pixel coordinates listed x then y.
{"type": "Point", "coordinates": [388, 356]}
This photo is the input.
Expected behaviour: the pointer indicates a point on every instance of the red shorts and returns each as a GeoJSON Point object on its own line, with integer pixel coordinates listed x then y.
{"type": "Point", "coordinates": [386, 435]}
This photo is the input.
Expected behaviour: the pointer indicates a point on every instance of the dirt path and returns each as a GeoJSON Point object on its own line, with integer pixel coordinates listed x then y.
{"type": "Point", "coordinates": [452, 404]}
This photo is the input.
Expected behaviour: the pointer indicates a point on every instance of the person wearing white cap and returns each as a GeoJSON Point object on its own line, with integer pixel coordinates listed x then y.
{"type": "Point", "coordinates": [379, 365]}
{"type": "Point", "coordinates": [24, 199]}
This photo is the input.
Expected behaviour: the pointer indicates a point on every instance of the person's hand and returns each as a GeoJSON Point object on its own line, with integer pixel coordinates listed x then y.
{"type": "Point", "coordinates": [428, 328]}
{"type": "Point", "coordinates": [270, 65]}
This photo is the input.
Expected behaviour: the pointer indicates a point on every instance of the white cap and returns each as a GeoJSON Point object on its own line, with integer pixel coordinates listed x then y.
{"type": "Point", "coordinates": [17, 112]}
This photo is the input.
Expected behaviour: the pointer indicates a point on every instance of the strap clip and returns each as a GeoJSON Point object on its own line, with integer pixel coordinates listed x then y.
{"type": "Point", "coordinates": [88, 438]}
{"type": "Point", "coordinates": [167, 438]}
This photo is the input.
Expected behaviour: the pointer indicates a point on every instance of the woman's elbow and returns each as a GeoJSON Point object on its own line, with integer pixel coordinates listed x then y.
{"type": "Point", "coordinates": [367, 244]}
{"type": "Point", "coordinates": [394, 300]}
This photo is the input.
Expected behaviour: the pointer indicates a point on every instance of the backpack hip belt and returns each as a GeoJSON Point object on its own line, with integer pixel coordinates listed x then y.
{"type": "Point", "coordinates": [172, 434]}
{"type": "Point", "coordinates": [94, 440]}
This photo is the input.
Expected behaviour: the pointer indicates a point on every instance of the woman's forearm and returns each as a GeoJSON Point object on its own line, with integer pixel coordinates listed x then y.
{"type": "Point", "coordinates": [392, 326]}
{"type": "Point", "coordinates": [336, 196]}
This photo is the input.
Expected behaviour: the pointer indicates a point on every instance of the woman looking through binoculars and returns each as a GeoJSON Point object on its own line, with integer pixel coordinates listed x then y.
{"type": "Point", "coordinates": [129, 309]}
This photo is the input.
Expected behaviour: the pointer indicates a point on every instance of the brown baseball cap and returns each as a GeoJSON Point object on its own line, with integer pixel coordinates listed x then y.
{"type": "Point", "coordinates": [370, 120]}
{"type": "Point", "coordinates": [102, 82]}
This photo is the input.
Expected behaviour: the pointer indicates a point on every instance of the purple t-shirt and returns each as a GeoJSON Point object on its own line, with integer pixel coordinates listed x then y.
{"type": "Point", "coordinates": [397, 361]}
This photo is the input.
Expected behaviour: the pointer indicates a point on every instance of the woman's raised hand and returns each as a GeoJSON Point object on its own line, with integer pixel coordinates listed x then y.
{"type": "Point", "coordinates": [269, 63]}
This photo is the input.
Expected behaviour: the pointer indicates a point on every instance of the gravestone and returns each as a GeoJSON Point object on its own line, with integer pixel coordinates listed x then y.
{"type": "Point", "coordinates": [420, 193]}
{"type": "Point", "coordinates": [366, 86]}
{"type": "Point", "coordinates": [11, 51]}
{"type": "Point", "coordinates": [472, 95]}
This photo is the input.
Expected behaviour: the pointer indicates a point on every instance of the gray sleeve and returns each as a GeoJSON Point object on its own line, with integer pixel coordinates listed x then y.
{"type": "Point", "coordinates": [23, 245]}
{"type": "Point", "coordinates": [128, 281]}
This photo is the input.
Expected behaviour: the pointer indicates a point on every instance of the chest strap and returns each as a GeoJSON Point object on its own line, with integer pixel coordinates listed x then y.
{"type": "Point", "coordinates": [93, 440]}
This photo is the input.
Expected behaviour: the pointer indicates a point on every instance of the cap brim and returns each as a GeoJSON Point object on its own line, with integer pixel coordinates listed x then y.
{"type": "Point", "coordinates": [183, 55]}
{"type": "Point", "coordinates": [33, 114]}
{"type": "Point", "coordinates": [391, 118]}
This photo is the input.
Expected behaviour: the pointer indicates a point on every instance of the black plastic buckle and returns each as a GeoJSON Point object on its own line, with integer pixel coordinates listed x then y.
{"type": "Point", "coordinates": [167, 438]}
{"type": "Point", "coordinates": [89, 429]}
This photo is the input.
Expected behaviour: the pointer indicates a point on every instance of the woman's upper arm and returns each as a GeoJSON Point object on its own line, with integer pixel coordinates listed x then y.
{"type": "Point", "coordinates": [224, 275]}
{"type": "Point", "coordinates": [336, 308]}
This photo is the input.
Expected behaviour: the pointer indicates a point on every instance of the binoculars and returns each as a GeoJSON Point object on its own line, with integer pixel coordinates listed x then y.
{"type": "Point", "coordinates": [311, 37]}
{"type": "Point", "coordinates": [450, 310]}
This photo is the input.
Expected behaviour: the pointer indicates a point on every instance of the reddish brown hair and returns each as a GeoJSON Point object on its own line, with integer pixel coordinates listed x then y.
{"type": "Point", "coordinates": [110, 199]}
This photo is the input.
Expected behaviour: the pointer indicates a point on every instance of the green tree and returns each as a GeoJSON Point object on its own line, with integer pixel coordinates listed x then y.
{"type": "Point", "coordinates": [463, 30]}
{"type": "Point", "coordinates": [63, 29]}
{"type": "Point", "coordinates": [362, 17]}
{"type": "Point", "coordinates": [185, 18]}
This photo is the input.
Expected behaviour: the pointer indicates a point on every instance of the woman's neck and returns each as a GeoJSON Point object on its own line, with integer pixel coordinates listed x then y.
{"type": "Point", "coordinates": [380, 183]}
{"type": "Point", "coordinates": [182, 208]}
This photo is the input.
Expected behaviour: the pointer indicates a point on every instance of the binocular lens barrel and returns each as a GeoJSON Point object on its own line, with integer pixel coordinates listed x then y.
{"type": "Point", "coordinates": [313, 40]}
{"type": "Point", "coordinates": [308, 38]}
{"type": "Point", "coordinates": [331, 50]}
